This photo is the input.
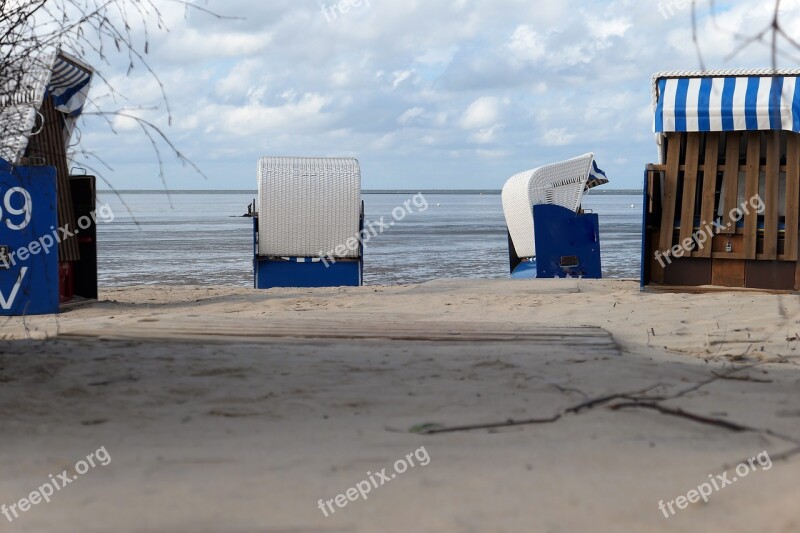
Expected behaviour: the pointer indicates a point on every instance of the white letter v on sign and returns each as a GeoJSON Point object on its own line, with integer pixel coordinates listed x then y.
{"type": "Point", "coordinates": [6, 304]}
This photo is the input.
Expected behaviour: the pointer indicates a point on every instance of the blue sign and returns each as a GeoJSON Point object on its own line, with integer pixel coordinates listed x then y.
{"type": "Point", "coordinates": [28, 241]}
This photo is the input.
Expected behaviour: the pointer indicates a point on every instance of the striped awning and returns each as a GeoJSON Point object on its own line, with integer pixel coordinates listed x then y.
{"type": "Point", "coordinates": [727, 101]}
{"type": "Point", "coordinates": [596, 177]}
{"type": "Point", "coordinates": [69, 86]}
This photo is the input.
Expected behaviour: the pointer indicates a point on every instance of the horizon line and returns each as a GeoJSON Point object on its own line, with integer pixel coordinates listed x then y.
{"type": "Point", "coordinates": [595, 192]}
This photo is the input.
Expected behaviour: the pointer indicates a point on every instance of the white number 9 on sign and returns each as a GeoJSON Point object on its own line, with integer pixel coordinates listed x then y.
{"type": "Point", "coordinates": [11, 204]}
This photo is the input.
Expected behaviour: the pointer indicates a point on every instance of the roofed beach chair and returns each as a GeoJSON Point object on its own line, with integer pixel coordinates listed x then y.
{"type": "Point", "coordinates": [722, 204]}
{"type": "Point", "coordinates": [309, 222]}
{"type": "Point", "coordinates": [549, 235]}
{"type": "Point", "coordinates": [40, 103]}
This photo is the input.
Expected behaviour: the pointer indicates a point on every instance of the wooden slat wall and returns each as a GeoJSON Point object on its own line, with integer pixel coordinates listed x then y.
{"type": "Point", "coordinates": [670, 191]}
{"type": "Point", "coordinates": [49, 146]}
{"type": "Point", "coordinates": [772, 178]}
{"type": "Point", "coordinates": [792, 195]}
{"type": "Point", "coordinates": [690, 185]}
{"type": "Point", "coordinates": [751, 191]}
{"type": "Point", "coordinates": [730, 181]}
{"type": "Point", "coordinates": [756, 156]}
{"type": "Point", "coordinates": [707, 214]}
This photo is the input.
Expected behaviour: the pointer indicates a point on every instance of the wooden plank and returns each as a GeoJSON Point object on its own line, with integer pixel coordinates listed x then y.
{"type": "Point", "coordinates": [720, 168]}
{"type": "Point", "coordinates": [751, 191]}
{"type": "Point", "coordinates": [707, 213]}
{"type": "Point", "coordinates": [689, 186]}
{"type": "Point", "coordinates": [49, 146]}
{"type": "Point", "coordinates": [730, 181]}
{"type": "Point", "coordinates": [772, 177]}
{"type": "Point", "coordinates": [797, 278]}
{"type": "Point", "coordinates": [650, 185]}
{"type": "Point", "coordinates": [727, 273]}
{"type": "Point", "coordinates": [246, 331]}
{"type": "Point", "coordinates": [792, 195]}
{"type": "Point", "coordinates": [670, 191]}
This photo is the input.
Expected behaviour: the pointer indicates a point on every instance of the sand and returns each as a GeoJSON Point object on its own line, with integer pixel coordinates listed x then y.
{"type": "Point", "coordinates": [551, 406]}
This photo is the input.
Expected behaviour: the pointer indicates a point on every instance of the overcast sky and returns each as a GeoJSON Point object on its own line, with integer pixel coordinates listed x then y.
{"type": "Point", "coordinates": [445, 94]}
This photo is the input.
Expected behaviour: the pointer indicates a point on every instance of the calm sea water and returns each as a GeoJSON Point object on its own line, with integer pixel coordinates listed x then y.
{"type": "Point", "coordinates": [198, 239]}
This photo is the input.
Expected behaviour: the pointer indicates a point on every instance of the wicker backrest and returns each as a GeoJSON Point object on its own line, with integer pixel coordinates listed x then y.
{"type": "Point", "coordinates": [558, 184]}
{"type": "Point", "coordinates": [308, 206]}
{"type": "Point", "coordinates": [20, 100]}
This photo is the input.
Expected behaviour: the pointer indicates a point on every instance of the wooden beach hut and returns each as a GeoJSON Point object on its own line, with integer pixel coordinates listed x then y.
{"type": "Point", "coordinates": [723, 200]}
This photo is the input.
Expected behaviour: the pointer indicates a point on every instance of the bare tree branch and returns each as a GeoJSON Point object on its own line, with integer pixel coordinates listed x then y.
{"type": "Point", "coordinates": [98, 32]}
{"type": "Point", "coordinates": [773, 36]}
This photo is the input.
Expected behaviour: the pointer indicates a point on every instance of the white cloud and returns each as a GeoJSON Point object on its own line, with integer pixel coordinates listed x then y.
{"type": "Point", "coordinates": [384, 142]}
{"type": "Point", "coordinates": [526, 45]}
{"type": "Point", "coordinates": [610, 28]}
{"type": "Point", "coordinates": [558, 137]}
{"type": "Point", "coordinates": [484, 136]}
{"type": "Point", "coordinates": [410, 114]}
{"type": "Point", "coordinates": [255, 118]}
{"type": "Point", "coordinates": [433, 81]}
{"type": "Point", "coordinates": [482, 113]}
{"type": "Point", "coordinates": [400, 76]}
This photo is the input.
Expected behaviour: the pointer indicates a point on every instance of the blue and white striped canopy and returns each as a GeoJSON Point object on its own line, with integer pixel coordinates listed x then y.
{"type": "Point", "coordinates": [702, 103]}
{"type": "Point", "coordinates": [69, 86]}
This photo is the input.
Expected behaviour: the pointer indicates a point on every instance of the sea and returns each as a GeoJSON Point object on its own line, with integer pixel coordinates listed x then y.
{"type": "Point", "coordinates": [201, 237]}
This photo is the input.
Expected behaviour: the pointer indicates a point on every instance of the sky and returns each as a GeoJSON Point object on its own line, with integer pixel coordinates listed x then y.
{"type": "Point", "coordinates": [432, 94]}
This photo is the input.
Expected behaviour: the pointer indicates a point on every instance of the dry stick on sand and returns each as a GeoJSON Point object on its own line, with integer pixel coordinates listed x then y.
{"type": "Point", "coordinates": [680, 413]}
{"type": "Point", "coordinates": [433, 429]}
{"type": "Point", "coordinates": [634, 400]}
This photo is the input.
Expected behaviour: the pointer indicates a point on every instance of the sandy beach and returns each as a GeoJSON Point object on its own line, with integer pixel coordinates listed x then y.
{"type": "Point", "coordinates": [552, 406]}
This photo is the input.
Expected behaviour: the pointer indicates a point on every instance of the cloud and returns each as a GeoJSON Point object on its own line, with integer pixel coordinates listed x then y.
{"type": "Point", "coordinates": [482, 113]}
{"type": "Point", "coordinates": [558, 137]}
{"type": "Point", "coordinates": [410, 114]}
{"type": "Point", "coordinates": [526, 45]}
{"type": "Point", "coordinates": [484, 136]}
{"type": "Point", "coordinates": [400, 76]}
{"type": "Point", "coordinates": [490, 88]}
{"type": "Point", "coordinates": [610, 28]}
{"type": "Point", "coordinates": [255, 118]}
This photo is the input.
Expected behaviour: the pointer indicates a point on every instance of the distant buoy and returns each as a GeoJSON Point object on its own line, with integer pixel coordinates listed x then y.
{"type": "Point", "coordinates": [438, 205]}
{"type": "Point", "coordinates": [633, 206]}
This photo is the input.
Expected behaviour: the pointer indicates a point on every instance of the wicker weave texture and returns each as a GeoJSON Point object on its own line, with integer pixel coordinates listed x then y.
{"type": "Point", "coordinates": [308, 206]}
{"type": "Point", "coordinates": [20, 105]}
{"type": "Point", "coordinates": [557, 184]}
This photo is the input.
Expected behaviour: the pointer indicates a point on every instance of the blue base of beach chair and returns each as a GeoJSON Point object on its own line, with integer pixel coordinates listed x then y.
{"type": "Point", "coordinates": [525, 270]}
{"type": "Point", "coordinates": [271, 273]}
{"type": "Point", "coordinates": [567, 243]}
{"type": "Point", "coordinates": [28, 249]}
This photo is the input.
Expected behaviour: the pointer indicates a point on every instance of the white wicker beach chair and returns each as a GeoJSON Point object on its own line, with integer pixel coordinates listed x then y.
{"type": "Point", "coordinates": [562, 184]}
{"type": "Point", "coordinates": [310, 211]}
